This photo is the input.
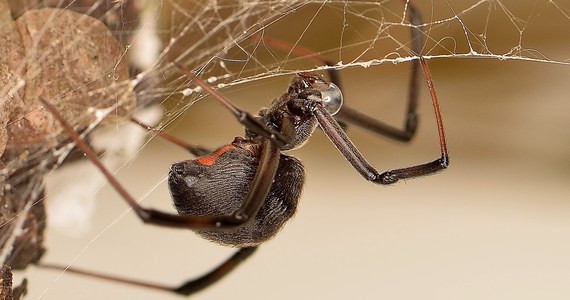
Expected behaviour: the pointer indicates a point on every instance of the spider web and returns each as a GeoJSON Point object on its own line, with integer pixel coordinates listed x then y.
{"type": "Point", "coordinates": [226, 41]}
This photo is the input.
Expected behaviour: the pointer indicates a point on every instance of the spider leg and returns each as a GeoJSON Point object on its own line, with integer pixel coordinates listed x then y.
{"type": "Point", "coordinates": [245, 118]}
{"type": "Point", "coordinates": [193, 149]}
{"type": "Point", "coordinates": [343, 143]}
{"type": "Point", "coordinates": [258, 191]}
{"type": "Point", "coordinates": [216, 274]}
{"type": "Point", "coordinates": [405, 134]}
{"type": "Point", "coordinates": [186, 288]}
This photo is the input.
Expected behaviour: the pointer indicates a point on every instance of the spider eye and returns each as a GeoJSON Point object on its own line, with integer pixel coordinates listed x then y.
{"type": "Point", "coordinates": [332, 98]}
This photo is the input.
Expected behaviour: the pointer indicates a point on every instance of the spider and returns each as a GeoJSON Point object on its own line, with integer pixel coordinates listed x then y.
{"type": "Point", "coordinates": [242, 193]}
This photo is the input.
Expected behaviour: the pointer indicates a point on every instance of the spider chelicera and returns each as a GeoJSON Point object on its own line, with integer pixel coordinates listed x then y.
{"type": "Point", "coordinates": [242, 193]}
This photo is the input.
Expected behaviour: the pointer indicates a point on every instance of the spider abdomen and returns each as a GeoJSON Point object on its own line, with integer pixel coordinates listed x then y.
{"type": "Point", "coordinates": [218, 183]}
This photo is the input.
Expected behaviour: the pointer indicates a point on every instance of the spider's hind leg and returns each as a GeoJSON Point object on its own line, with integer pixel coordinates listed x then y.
{"type": "Point", "coordinates": [186, 288]}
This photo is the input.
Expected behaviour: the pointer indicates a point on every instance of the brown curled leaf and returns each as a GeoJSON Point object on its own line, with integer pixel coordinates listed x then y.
{"type": "Point", "coordinates": [121, 17]}
{"type": "Point", "coordinates": [73, 61]}
{"type": "Point", "coordinates": [11, 56]}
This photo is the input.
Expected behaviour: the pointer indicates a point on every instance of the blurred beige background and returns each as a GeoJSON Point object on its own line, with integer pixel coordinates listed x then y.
{"type": "Point", "coordinates": [495, 225]}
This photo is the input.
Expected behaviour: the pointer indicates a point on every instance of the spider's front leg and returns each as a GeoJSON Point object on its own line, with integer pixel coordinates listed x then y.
{"type": "Point", "coordinates": [348, 115]}
{"type": "Point", "coordinates": [343, 143]}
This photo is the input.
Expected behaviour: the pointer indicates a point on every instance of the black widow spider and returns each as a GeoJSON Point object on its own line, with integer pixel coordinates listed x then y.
{"type": "Point", "coordinates": [242, 193]}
